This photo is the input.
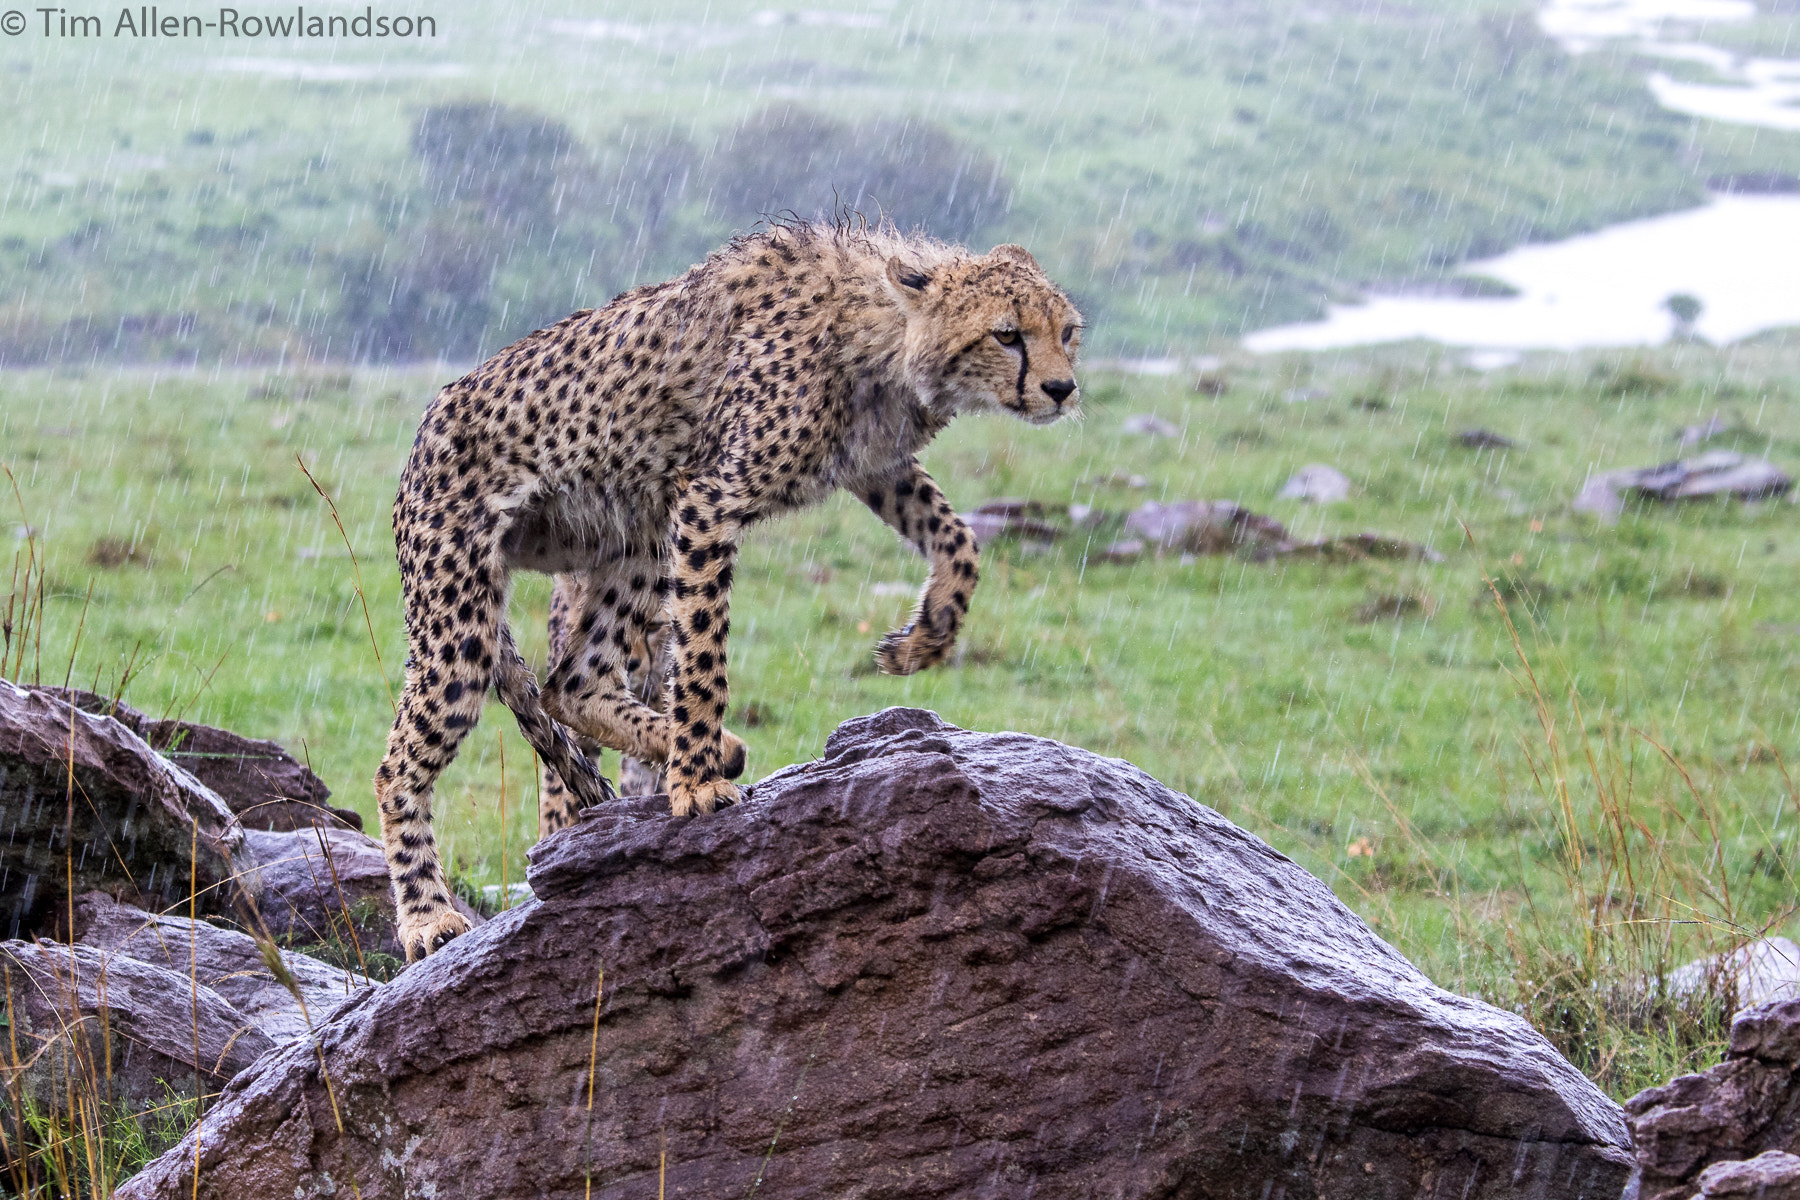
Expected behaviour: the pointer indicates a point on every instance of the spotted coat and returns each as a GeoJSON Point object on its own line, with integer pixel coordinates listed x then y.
{"type": "Point", "coordinates": [625, 450]}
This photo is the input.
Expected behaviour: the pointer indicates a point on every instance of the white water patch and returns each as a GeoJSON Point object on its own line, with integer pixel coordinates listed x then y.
{"type": "Point", "coordinates": [1769, 95]}
{"type": "Point", "coordinates": [1739, 255]}
{"type": "Point", "coordinates": [1751, 91]}
{"type": "Point", "coordinates": [325, 72]}
{"type": "Point", "coordinates": [1582, 25]}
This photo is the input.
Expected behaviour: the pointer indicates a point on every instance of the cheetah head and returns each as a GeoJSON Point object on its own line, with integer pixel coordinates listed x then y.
{"type": "Point", "coordinates": [989, 333]}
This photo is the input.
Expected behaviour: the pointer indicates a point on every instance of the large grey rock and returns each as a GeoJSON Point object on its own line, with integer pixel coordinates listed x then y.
{"type": "Point", "coordinates": [931, 964]}
{"type": "Point", "coordinates": [262, 783]}
{"type": "Point", "coordinates": [228, 962]}
{"type": "Point", "coordinates": [104, 1026]}
{"type": "Point", "coordinates": [323, 886]}
{"type": "Point", "coordinates": [82, 797]}
{"type": "Point", "coordinates": [1740, 1108]}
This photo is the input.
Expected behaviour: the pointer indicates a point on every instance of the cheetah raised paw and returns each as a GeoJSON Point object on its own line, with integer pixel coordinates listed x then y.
{"type": "Point", "coordinates": [427, 934]}
{"type": "Point", "coordinates": [911, 649]}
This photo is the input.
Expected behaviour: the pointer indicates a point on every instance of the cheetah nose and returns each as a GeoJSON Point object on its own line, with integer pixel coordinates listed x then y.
{"type": "Point", "coordinates": [1058, 389]}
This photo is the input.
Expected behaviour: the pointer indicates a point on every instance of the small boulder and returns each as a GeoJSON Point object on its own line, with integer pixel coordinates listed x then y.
{"type": "Point", "coordinates": [1715, 474]}
{"type": "Point", "coordinates": [1202, 526]}
{"type": "Point", "coordinates": [1317, 483]}
{"type": "Point", "coordinates": [1771, 1175]}
{"type": "Point", "coordinates": [1150, 425]}
{"type": "Point", "coordinates": [84, 1020]}
{"type": "Point", "coordinates": [995, 519]}
{"type": "Point", "coordinates": [933, 963]}
{"type": "Point", "coordinates": [135, 825]}
{"type": "Point", "coordinates": [228, 962]}
{"type": "Point", "coordinates": [1485, 439]}
{"type": "Point", "coordinates": [1764, 970]}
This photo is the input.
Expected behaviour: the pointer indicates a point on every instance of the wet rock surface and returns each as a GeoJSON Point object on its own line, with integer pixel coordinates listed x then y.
{"type": "Point", "coordinates": [932, 963]}
{"type": "Point", "coordinates": [84, 799]}
{"type": "Point", "coordinates": [224, 960]}
{"type": "Point", "coordinates": [1714, 475]}
{"type": "Point", "coordinates": [1771, 1175]}
{"type": "Point", "coordinates": [79, 1013]}
{"type": "Point", "coordinates": [262, 783]}
{"type": "Point", "coordinates": [1737, 1110]}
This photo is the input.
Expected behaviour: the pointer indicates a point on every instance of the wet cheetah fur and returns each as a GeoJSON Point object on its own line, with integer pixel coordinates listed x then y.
{"type": "Point", "coordinates": [625, 450]}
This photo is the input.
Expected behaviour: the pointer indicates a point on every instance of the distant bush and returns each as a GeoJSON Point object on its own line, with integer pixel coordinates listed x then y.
{"type": "Point", "coordinates": [508, 160]}
{"type": "Point", "coordinates": [788, 158]}
{"type": "Point", "coordinates": [422, 298]}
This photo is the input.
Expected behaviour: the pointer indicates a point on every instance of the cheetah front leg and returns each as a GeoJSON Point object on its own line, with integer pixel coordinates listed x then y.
{"type": "Point", "coordinates": [912, 503]}
{"type": "Point", "coordinates": [703, 554]}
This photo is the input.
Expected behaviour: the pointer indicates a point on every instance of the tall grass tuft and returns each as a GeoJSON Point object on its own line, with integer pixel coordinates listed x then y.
{"type": "Point", "coordinates": [1634, 838]}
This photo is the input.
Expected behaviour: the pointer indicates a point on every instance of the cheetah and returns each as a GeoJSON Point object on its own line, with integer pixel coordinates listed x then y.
{"type": "Point", "coordinates": [626, 449]}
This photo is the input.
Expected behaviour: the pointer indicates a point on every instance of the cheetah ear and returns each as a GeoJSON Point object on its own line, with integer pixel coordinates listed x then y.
{"type": "Point", "coordinates": [907, 283]}
{"type": "Point", "coordinates": [1013, 253]}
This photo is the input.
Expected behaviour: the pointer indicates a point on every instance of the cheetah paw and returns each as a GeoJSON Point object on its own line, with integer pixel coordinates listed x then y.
{"type": "Point", "coordinates": [911, 649]}
{"type": "Point", "coordinates": [423, 935]}
{"type": "Point", "coordinates": [701, 798]}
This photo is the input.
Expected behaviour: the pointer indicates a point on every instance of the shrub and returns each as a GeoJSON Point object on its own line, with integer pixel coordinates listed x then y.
{"type": "Point", "coordinates": [788, 158]}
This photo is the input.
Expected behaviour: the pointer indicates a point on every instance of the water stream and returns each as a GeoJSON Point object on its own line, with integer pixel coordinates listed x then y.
{"type": "Point", "coordinates": [1739, 255]}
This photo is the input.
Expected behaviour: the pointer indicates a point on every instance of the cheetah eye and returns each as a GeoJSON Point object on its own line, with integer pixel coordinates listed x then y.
{"type": "Point", "coordinates": [1068, 332]}
{"type": "Point", "coordinates": [1007, 337]}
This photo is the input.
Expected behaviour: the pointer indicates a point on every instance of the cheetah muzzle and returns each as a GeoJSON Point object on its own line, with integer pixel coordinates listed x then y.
{"type": "Point", "coordinates": [625, 450]}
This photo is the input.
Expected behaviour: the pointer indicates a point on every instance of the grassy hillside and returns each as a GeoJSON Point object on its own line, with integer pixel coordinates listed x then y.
{"type": "Point", "coordinates": [1442, 787]}
{"type": "Point", "coordinates": [1188, 170]}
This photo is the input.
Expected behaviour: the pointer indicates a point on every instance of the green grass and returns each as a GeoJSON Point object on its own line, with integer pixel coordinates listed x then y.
{"type": "Point", "coordinates": [1188, 173]}
{"type": "Point", "coordinates": [1253, 687]}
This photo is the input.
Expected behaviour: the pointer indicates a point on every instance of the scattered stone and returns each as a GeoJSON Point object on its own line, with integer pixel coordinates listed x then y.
{"type": "Point", "coordinates": [1394, 608]}
{"type": "Point", "coordinates": [261, 782]}
{"type": "Point", "coordinates": [1737, 1110]}
{"type": "Point", "coordinates": [1081, 515]}
{"type": "Point", "coordinates": [1202, 526]}
{"type": "Point", "coordinates": [1317, 484]}
{"type": "Point", "coordinates": [1353, 548]}
{"type": "Point", "coordinates": [1214, 383]}
{"type": "Point", "coordinates": [135, 826]}
{"type": "Point", "coordinates": [1305, 395]}
{"type": "Point", "coordinates": [1705, 476]}
{"type": "Point", "coordinates": [1120, 479]}
{"type": "Point", "coordinates": [1150, 425]}
{"type": "Point", "coordinates": [995, 519]}
{"type": "Point", "coordinates": [228, 962]}
{"type": "Point", "coordinates": [1693, 435]}
{"type": "Point", "coordinates": [1485, 439]}
{"type": "Point", "coordinates": [326, 887]}
{"type": "Point", "coordinates": [1771, 1175]}
{"type": "Point", "coordinates": [1715, 473]}
{"type": "Point", "coordinates": [1764, 970]}
{"type": "Point", "coordinates": [1124, 551]}
{"type": "Point", "coordinates": [83, 1020]}
{"type": "Point", "coordinates": [932, 963]}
